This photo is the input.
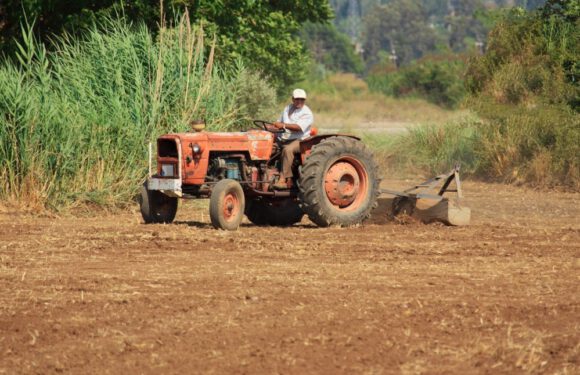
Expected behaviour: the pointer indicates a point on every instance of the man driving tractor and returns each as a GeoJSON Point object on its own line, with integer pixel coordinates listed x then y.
{"type": "Point", "coordinates": [296, 121]}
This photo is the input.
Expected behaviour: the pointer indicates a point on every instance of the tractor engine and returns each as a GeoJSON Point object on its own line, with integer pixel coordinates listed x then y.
{"type": "Point", "coordinates": [221, 167]}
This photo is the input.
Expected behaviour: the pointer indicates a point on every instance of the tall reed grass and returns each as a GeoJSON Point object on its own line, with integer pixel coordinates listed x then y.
{"type": "Point", "coordinates": [75, 123]}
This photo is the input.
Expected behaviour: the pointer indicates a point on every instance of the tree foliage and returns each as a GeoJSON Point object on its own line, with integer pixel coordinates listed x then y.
{"type": "Point", "coordinates": [401, 27]}
{"type": "Point", "coordinates": [437, 78]}
{"type": "Point", "coordinates": [331, 48]}
{"type": "Point", "coordinates": [532, 56]}
{"type": "Point", "coordinates": [463, 26]}
{"type": "Point", "coordinates": [263, 33]}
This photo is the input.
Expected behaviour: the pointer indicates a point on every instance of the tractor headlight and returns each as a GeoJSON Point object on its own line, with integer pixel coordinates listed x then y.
{"type": "Point", "coordinates": [196, 148]}
{"type": "Point", "coordinates": [167, 170]}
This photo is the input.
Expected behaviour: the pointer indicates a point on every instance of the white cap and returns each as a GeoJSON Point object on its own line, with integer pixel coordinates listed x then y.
{"type": "Point", "coordinates": [299, 94]}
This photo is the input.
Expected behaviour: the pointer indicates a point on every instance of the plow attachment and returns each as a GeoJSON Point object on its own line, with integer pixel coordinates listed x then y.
{"type": "Point", "coordinates": [427, 203]}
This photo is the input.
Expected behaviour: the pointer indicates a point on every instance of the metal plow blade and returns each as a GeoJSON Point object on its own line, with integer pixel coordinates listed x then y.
{"type": "Point", "coordinates": [427, 203]}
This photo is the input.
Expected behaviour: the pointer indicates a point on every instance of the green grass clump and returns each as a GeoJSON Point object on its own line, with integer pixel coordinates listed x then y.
{"type": "Point", "coordinates": [539, 148]}
{"type": "Point", "coordinates": [430, 148]}
{"type": "Point", "coordinates": [75, 123]}
{"type": "Point", "coordinates": [539, 145]}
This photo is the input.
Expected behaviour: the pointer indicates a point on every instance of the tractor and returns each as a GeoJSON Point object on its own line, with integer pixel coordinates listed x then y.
{"type": "Point", "coordinates": [335, 178]}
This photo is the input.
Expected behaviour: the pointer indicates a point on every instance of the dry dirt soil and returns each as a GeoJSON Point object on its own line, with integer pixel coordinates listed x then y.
{"type": "Point", "coordinates": [109, 294]}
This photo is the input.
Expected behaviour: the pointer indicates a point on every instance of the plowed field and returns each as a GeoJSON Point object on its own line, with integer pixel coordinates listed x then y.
{"type": "Point", "coordinates": [109, 294]}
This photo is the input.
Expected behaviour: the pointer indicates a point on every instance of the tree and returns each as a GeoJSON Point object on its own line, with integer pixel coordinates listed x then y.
{"type": "Point", "coordinates": [401, 27]}
{"type": "Point", "coordinates": [263, 33]}
{"type": "Point", "coordinates": [462, 24]}
{"type": "Point", "coordinates": [565, 9]}
{"type": "Point", "coordinates": [331, 48]}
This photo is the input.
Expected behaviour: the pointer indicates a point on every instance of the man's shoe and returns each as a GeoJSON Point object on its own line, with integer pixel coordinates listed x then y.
{"type": "Point", "coordinates": [280, 185]}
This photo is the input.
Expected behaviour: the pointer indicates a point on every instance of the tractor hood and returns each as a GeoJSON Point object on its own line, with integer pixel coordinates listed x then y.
{"type": "Point", "coordinates": [257, 143]}
{"type": "Point", "coordinates": [187, 155]}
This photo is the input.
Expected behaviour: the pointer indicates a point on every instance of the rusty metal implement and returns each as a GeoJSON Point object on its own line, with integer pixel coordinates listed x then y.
{"type": "Point", "coordinates": [428, 203]}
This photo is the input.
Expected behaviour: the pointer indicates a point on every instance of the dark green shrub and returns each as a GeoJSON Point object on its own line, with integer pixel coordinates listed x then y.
{"type": "Point", "coordinates": [331, 48]}
{"type": "Point", "coordinates": [436, 78]}
{"type": "Point", "coordinates": [529, 55]}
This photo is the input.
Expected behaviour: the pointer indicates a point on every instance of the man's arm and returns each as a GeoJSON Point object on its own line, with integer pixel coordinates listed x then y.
{"type": "Point", "coordinates": [280, 123]}
{"type": "Point", "coordinates": [291, 127]}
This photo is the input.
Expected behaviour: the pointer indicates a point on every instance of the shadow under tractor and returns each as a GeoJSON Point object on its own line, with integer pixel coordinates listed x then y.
{"type": "Point", "coordinates": [335, 178]}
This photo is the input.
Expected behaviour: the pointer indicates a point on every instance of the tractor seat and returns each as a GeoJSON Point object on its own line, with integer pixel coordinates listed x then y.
{"type": "Point", "coordinates": [313, 131]}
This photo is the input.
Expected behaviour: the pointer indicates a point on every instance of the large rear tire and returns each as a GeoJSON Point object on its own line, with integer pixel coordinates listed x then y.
{"type": "Point", "coordinates": [339, 183]}
{"type": "Point", "coordinates": [226, 205]}
{"type": "Point", "coordinates": [156, 207]}
{"type": "Point", "coordinates": [274, 212]}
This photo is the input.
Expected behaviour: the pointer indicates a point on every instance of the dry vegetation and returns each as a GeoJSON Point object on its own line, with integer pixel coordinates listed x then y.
{"type": "Point", "coordinates": [109, 294]}
{"type": "Point", "coordinates": [344, 102]}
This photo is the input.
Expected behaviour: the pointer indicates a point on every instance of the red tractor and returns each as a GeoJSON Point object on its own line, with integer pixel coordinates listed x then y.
{"type": "Point", "coordinates": [335, 179]}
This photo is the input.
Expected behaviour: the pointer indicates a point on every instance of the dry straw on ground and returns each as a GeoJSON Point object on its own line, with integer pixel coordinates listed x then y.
{"type": "Point", "coordinates": [111, 294]}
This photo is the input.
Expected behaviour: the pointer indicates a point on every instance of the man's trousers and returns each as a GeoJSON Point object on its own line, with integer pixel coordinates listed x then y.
{"type": "Point", "coordinates": [288, 152]}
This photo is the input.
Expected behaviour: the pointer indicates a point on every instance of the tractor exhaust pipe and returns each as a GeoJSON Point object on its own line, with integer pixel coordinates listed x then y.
{"type": "Point", "coordinates": [150, 156]}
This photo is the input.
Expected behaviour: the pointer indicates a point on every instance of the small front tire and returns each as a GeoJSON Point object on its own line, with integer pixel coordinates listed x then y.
{"type": "Point", "coordinates": [156, 207]}
{"type": "Point", "coordinates": [226, 205]}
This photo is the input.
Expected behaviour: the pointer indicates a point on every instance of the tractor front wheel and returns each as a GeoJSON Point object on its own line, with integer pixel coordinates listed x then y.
{"type": "Point", "coordinates": [156, 207]}
{"type": "Point", "coordinates": [338, 182]}
{"type": "Point", "coordinates": [226, 205]}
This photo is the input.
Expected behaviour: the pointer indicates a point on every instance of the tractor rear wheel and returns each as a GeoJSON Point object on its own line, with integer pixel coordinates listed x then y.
{"type": "Point", "coordinates": [226, 205]}
{"type": "Point", "coordinates": [279, 212]}
{"type": "Point", "coordinates": [338, 182]}
{"type": "Point", "coordinates": [156, 207]}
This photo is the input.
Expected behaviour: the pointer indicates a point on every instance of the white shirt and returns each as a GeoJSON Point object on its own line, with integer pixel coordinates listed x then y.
{"type": "Point", "coordinates": [303, 117]}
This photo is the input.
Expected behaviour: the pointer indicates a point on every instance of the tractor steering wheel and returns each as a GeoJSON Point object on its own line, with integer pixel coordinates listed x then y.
{"type": "Point", "coordinates": [266, 124]}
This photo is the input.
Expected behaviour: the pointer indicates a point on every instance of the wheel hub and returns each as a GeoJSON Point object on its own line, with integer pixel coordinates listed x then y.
{"type": "Point", "coordinates": [342, 184]}
{"type": "Point", "coordinates": [230, 206]}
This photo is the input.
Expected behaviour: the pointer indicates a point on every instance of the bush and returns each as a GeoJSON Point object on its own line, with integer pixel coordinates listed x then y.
{"type": "Point", "coordinates": [438, 79]}
{"type": "Point", "coordinates": [530, 57]}
{"type": "Point", "coordinates": [256, 99]}
{"type": "Point", "coordinates": [525, 92]}
{"type": "Point", "coordinates": [539, 146]}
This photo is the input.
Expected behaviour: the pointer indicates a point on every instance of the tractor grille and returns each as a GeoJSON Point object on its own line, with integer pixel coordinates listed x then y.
{"type": "Point", "coordinates": [168, 158]}
{"type": "Point", "coordinates": [167, 148]}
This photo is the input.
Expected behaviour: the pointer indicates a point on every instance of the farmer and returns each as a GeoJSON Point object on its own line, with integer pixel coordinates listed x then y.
{"type": "Point", "coordinates": [296, 121]}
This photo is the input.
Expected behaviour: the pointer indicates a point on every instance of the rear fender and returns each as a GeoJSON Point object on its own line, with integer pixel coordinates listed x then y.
{"type": "Point", "coordinates": [307, 144]}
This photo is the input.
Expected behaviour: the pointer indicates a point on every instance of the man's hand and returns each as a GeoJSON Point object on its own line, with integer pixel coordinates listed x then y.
{"type": "Point", "coordinates": [275, 126]}
{"type": "Point", "coordinates": [278, 125]}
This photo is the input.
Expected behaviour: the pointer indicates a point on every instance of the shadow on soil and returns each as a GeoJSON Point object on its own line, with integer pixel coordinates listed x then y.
{"type": "Point", "coordinates": [197, 224]}
{"type": "Point", "coordinates": [380, 215]}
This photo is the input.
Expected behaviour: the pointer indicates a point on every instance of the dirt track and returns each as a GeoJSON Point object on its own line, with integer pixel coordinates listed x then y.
{"type": "Point", "coordinates": [111, 295]}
